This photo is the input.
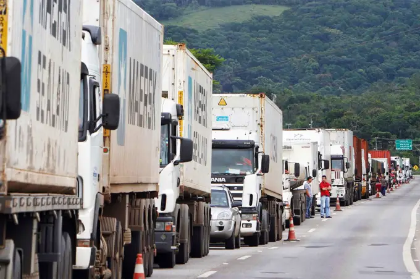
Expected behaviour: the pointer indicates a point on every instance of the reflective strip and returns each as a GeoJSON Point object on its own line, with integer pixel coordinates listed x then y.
{"type": "Point", "coordinates": [139, 269]}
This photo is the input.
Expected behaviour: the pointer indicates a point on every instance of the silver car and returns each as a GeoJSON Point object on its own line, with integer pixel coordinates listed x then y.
{"type": "Point", "coordinates": [225, 218]}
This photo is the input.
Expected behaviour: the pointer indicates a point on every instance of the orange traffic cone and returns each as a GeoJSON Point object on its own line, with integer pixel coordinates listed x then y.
{"type": "Point", "coordinates": [292, 235]}
{"type": "Point", "coordinates": [392, 188]}
{"type": "Point", "coordinates": [139, 269]}
{"type": "Point", "coordinates": [377, 195]}
{"type": "Point", "coordinates": [337, 205]}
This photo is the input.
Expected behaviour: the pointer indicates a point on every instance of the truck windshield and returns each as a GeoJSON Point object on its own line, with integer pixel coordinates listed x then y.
{"type": "Point", "coordinates": [337, 164]}
{"type": "Point", "coordinates": [233, 161]}
{"type": "Point", "coordinates": [219, 198]}
{"type": "Point", "coordinates": [164, 145]}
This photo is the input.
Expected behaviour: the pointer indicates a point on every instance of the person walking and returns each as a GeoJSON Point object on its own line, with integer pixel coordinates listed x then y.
{"type": "Point", "coordinates": [308, 193]}
{"type": "Point", "coordinates": [325, 188]}
{"type": "Point", "coordinates": [384, 184]}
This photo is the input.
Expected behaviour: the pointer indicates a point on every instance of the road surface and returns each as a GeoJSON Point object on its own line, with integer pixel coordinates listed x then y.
{"type": "Point", "coordinates": [365, 240]}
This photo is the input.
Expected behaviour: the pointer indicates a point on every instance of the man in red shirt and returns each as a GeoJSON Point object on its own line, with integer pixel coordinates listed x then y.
{"type": "Point", "coordinates": [325, 188]}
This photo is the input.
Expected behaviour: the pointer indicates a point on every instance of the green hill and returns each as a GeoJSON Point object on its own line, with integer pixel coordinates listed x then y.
{"type": "Point", "coordinates": [211, 18]}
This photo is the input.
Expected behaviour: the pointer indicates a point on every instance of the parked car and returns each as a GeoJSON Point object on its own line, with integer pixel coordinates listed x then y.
{"type": "Point", "coordinates": [225, 218]}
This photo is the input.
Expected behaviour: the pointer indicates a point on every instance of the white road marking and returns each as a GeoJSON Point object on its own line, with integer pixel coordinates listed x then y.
{"type": "Point", "coordinates": [413, 248]}
{"type": "Point", "coordinates": [325, 220]}
{"type": "Point", "coordinates": [416, 260]}
{"type": "Point", "coordinates": [259, 251]}
{"type": "Point", "coordinates": [225, 263]}
{"type": "Point", "coordinates": [271, 248]}
{"type": "Point", "coordinates": [244, 258]}
{"type": "Point", "coordinates": [311, 230]}
{"type": "Point", "coordinates": [207, 274]}
{"type": "Point", "coordinates": [407, 257]}
{"type": "Point", "coordinates": [334, 213]}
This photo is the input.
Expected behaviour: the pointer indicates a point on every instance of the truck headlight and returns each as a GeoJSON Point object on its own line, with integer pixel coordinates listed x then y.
{"type": "Point", "coordinates": [164, 226]}
{"type": "Point", "coordinates": [225, 215]}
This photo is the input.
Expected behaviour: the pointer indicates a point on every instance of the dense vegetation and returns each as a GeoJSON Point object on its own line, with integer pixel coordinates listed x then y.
{"type": "Point", "coordinates": [341, 63]}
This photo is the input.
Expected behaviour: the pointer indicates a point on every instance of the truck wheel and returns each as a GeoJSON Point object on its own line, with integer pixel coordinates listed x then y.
{"type": "Point", "coordinates": [296, 220]}
{"type": "Point", "coordinates": [253, 240]}
{"type": "Point", "coordinates": [184, 248]}
{"type": "Point", "coordinates": [17, 266]}
{"type": "Point", "coordinates": [230, 242]}
{"type": "Point", "coordinates": [197, 249]}
{"type": "Point", "coordinates": [145, 254]}
{"type": "Point", "coordinates": [238, 241]}
{"type": "Point", "coordinates": [273, 229]}
{"type": "Point", "coordinates": [281, 228]}
{"type": "Point", "coordinates": [351, 198]}
{"type": "Point", "coordinates": [67, 271]}
{"type": "Point", "coordinates": [116, 262]}
{"type": "Point", "coordinates": [130, 254]}
{"type": "Point", "coordinates": [166, 260]}
{"type": "Point", "coordinates": [302, 213]}
{"type": "Point", "coordinates": [151, 263]}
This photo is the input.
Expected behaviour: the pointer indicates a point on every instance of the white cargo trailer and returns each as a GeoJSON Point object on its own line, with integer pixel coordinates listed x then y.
{"type": "Point", "coordinates": [184, 193]}
{"type": "Point", "coordinates": [306, 156]}
{"type": "Point", "coordinates": [123, 216]}
{"type": "Point", "coordinates": [40, 196]}
{"type": "Point", "coordinates": [247, 158]}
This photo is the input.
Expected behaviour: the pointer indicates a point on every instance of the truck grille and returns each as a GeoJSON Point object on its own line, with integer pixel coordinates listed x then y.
{"type": "Point", "coordinates": [235, 189]}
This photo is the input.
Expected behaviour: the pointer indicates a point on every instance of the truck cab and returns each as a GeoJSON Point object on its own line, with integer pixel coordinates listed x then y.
{"type": "Point", "coordinates": [96, 112]}
{"type": "Point", "coordinates": [339, 167]}
{"type": "Point", "coordinates": [174, 150]}
{"type": "Point", "coordinates": [238, 164]}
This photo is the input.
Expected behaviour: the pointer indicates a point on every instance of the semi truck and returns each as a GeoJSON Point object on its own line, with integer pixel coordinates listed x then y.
{"type": "Point", "coordinates": [121, 218]}
{"type": "Point", "coordinates": [247, 158]}
{"type": "Point", "coordinates": [358, 168]}
{"type": "Point", "coordinates": [183, 224]}
{"type": "Point", "coordinates": [384, 157]}
{"type": "Point", "coordinates": [322, 139]}
{"type": "Point", "coordinates": [293, 177]}
{"type": "Point", "coordinates": [305, 155]}
{"type": "Point", "coordinates": [342, 165]}
{"type": "Point", "coordinates": [51, 119]}
{"type": "Point", "coordinates": [365, 169]}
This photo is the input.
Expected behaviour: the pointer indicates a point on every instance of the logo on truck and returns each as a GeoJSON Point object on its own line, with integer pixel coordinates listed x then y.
{"type": "Point", "coordinates": [53, 78]}
{"type": "Point", "coordinates": [27, 23]}
{"type": "Point", "coordinates": [122, 81]}
{"type": "Point", "coordinates": [218, 179]}
{"type": "Point", "coordinates": [273, 151]}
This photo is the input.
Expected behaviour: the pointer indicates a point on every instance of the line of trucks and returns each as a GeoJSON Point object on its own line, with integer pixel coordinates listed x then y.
{"type": "Point", "coordinates": [111, 142]}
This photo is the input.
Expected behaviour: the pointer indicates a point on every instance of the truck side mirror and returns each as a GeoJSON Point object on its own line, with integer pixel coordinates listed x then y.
{"type": "Point", "coordinates": [383, 170]}
{"type": "Point", "coordinates": [326, 164]}
{"type": "Point", "coordinates": [367, 170]}
{"type": "Point", "coordinates": [236, 204]}
{"type": "Point", "coordinates": [12, 77]}
{"type": "Point", "coordinates": [111, 111]}
{"type": "Point", "coordinates": [165, 118]}
{"type": "Point", "coordinates": [297, 169]}
{"type": "Point", "coordinates": [347, 165]}
{"type": "Point", "coordinates": [265, 163]}
{"type": "Point", "coordinates": [355, 171]}
{"type": "Point", "coordinates": [186, 150]}
{"type": "Point", "coordinates": [286, 165]}
{"type": "Point", "coordinates": [314, 173]}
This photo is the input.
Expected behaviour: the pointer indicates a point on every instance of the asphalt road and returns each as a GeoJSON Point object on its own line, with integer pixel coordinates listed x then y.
{"type": "Point", "coordinates": [370, 239]}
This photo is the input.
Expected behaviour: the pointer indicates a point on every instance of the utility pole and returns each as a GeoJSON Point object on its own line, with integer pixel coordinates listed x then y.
{"type": "Point", "coordinates": [310, 125]}
{"type": "Point", "coordinates": [376, 143]}
{"type": "Point", "coordinates": [288, 125]}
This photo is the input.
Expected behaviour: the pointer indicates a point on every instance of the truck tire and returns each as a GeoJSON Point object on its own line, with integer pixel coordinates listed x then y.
{"type": "Point", "coordinates": [166, 260]}
{"type": "Point", "coordinates": [296, 221]}
{"type": "Point", "coordinates": [67, 271]}
{"type": "Point", "coordinates": [184, 248]}
{"type": "Point", "coordinates": [303, 212]}
{"type": "Point", "coordinates": [238, 241]}
{"type": "Point", "coordinates": [197, 242]}
{"type": "Point", "coordinates": [17, 266]}
{"type": "Point", "coordinates": [207, 241]}
{"type": "Point", "coordinates": [264, 227]}
{"type": "Point", "coordinates": [281, 227]}
{"type": "Point", "coordinates": [273, 229]}
{"type": "Point", "coordinates": [116, 259]}
{"type": "Point", "coordinates": [230, 242]}
{"type": "Point", "coordinates": [253, 240]}
{"type": "Point", "coordinates": [130, 254]}
{"type": "Point", "coordinates": [351, 198]}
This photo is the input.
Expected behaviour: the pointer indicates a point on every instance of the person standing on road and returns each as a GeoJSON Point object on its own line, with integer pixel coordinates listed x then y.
{"type": "Point", "coordinates": [325, 188]}
{"type": "Point", "coordinates": [308, 193]}
{"type": "Point", "coordinates": [384, 184]}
